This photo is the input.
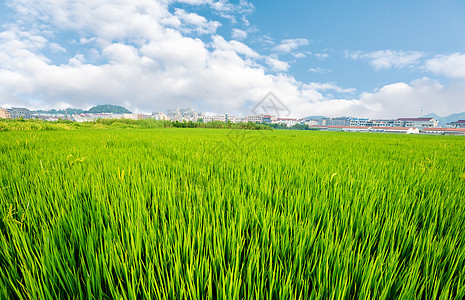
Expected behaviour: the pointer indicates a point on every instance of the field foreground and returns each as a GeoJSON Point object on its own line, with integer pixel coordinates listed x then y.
{"type": "Point", "coordinates": [196, 213]}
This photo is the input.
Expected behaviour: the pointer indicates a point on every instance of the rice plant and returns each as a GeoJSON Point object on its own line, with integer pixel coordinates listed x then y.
{"type": "Point", "coordinates": [179, 213]}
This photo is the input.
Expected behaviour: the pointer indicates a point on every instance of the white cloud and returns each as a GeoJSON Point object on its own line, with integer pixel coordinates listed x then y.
{"type": "Point", "coordinates": [288, 45]}
{"type": "Point", "coordinates": [139, 67]}
{"type": "Point", "coordinates": [398, 100]}
{"type": "Point", "coordinates": [109, 20]}
{"type": "Point", "coordinates": [329, 86]}
{"type": "Point", "coordinates": [277, 65]}
{"type": "Point", "coordinates": [319, 70]}
{"type": "Point", "coordinates": [195, 2]}
{"type": "Point", "coordinates": [229, 11]}
{"type": "Point", "coordinates": [238, 34]}
{"type": "Point", "coordinates": [387, 59]}
{"type": "Point", "coordinates": [452, 65]}
{"type": "Point", "coordinates": [225, 8]}
{"type": "Point", "coordinates": [266, 41]}
{"type": "Point", "coordinates": [191, 22]}
{"type": "Point", "coordinates": [299, 55]}
{"type": "Point", "coordinates": [321, 56]}
{"type": "Point", "coordinates": [221, 44]}
{"type": "Point", "coordinates": [137, 54]}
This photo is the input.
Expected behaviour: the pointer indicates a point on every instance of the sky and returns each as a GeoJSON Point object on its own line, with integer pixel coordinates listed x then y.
{"type": "Point", "coordinates": [360, 58]}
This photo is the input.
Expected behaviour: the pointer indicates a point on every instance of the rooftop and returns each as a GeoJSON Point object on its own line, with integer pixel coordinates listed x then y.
{"type": "Point", "coordinates": [415, 119]}
{"type": "Point", "coordinates": [445, 129]}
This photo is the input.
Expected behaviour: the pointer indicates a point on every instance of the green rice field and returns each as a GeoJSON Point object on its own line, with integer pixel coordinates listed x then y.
{"type": "Point", "coordinates": [195, 213]}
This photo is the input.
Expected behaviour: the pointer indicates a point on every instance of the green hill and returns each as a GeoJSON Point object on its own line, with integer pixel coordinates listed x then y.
{"type": "Point", "coordinates": [107, 108]}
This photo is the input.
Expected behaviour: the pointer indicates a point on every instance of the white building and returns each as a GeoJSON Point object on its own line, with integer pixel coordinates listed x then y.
{"type": "Point", "coordinates": [381, 123]}
{"type": "Point", "coordinates": [358, 122]}
{"type": "Point", "coordinates": [93, 117]}
{"type": "Point", "coordinates": [445, 131]}
{"type": "Point", "coordinates": [311, 122]}
{"type": "Point", "coordinates": [234, 119]}
{"type": "Point", "coordinates": [159, 116]}
{"type": "Point", "coordinates": [184, 114]}
{"type": "Point", "coordinates": [457, 124]}
{"type": "Point", "coordinates": [289, 122]}
{"type": "Point", "coordinates": [214, 118]}
{"type": "Point", "coordinates": [416, 122]}
{"type": "Point", "coordinates": [255, 119]}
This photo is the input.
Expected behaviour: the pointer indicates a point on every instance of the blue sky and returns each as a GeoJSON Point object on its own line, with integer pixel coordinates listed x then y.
{"type": "Point", "coordinates": [357, 58]}
{"type": "Point", "coordinates": [334, 27]}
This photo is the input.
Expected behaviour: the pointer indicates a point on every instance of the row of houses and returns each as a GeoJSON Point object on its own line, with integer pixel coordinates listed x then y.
{"type": "Point", "coordinates": [24, 113]}
{"type": "Point", "coordinates": [400, 122]}
{"type": "Point", "coordinates": [400, 125]}
{"type": "Point", "coordinates": [86, 117]}
{"type": "Point", "coordinates": [384, 129]}
{"type": "Point", "coordinates": [341, 121]}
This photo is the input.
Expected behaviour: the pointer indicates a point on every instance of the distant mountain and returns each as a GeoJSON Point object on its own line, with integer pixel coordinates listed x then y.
{"type": "Point", "coordinates": [69, 111]}
{"type": "Point", "coordinates": [432, 115]}
{"type": "Point", "coordinates": [443, 121]}
{"type": "Point", "coordinates": [314, 117]}
{"type": "Point", "coordinates": [107, 108]}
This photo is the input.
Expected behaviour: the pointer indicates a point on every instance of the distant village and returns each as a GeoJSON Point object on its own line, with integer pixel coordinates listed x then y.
{"type": "Point", "coordinates": [422, 125]}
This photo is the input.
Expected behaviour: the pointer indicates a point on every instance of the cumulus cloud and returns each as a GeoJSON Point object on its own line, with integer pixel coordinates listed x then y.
{"type": "Point", "coordinates": [191, 22]}
{"type": "Point", "coordinates": [240, 48]}
{"type": "Point", "coordinates": [277, 65]}
{"type": "Point", "coordinates": [387, 59]}
{"type": "Point", "coordinates": [147, 56]}
{"type": "Point", "coordinates": [452, 65]}
{"type": "Point", "coordinates": [288, 45]}
{"type": "Point", "coordinates": [224, 8]}
{"type": "Point", "coordinates": [398, 100]}
{"type": "Point", "coordinates": [146, 61]}
{"type": "Point", "coordinates": [238, 34]}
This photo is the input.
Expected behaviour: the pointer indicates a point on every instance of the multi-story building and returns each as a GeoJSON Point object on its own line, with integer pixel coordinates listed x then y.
{"type": "Point", "coordinates": [184, 114]}
{"type": "Point", "coordinates": [255, 119]}
{"type": "Point", "coordinates": [357, 122]}
{"type": "Point", "coordinates": [4, 113]}
{"type": "Point", "coordinates": [267, 118]}
{"type": "Point", "coordinates": [159, 116]}
{"type": "Point", "coordinates": [341, 121]}
{"type": "Point", "coordinates": [130, 116]}
{"type": "Point", "coordinates": [311, 122]}
{"type": "Point", "coordinates": [380, 123]}
{"type": "Point", "coordinates": [323, 121]}
{"type": "Point", "coordinates": [234, 119]}
{"type": "Point", "coordinates": [214, 118]}
{"type": "Point", "coordinates": [19, 112]}
{"type": "Point", "coordinates": [289, 122]}
{"type": "Point", "coordinates": [458, 124]}
{"type": "Point", "coordinates": [416, 122]}
{"type": "Point", "coordinates": [174, 114]}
